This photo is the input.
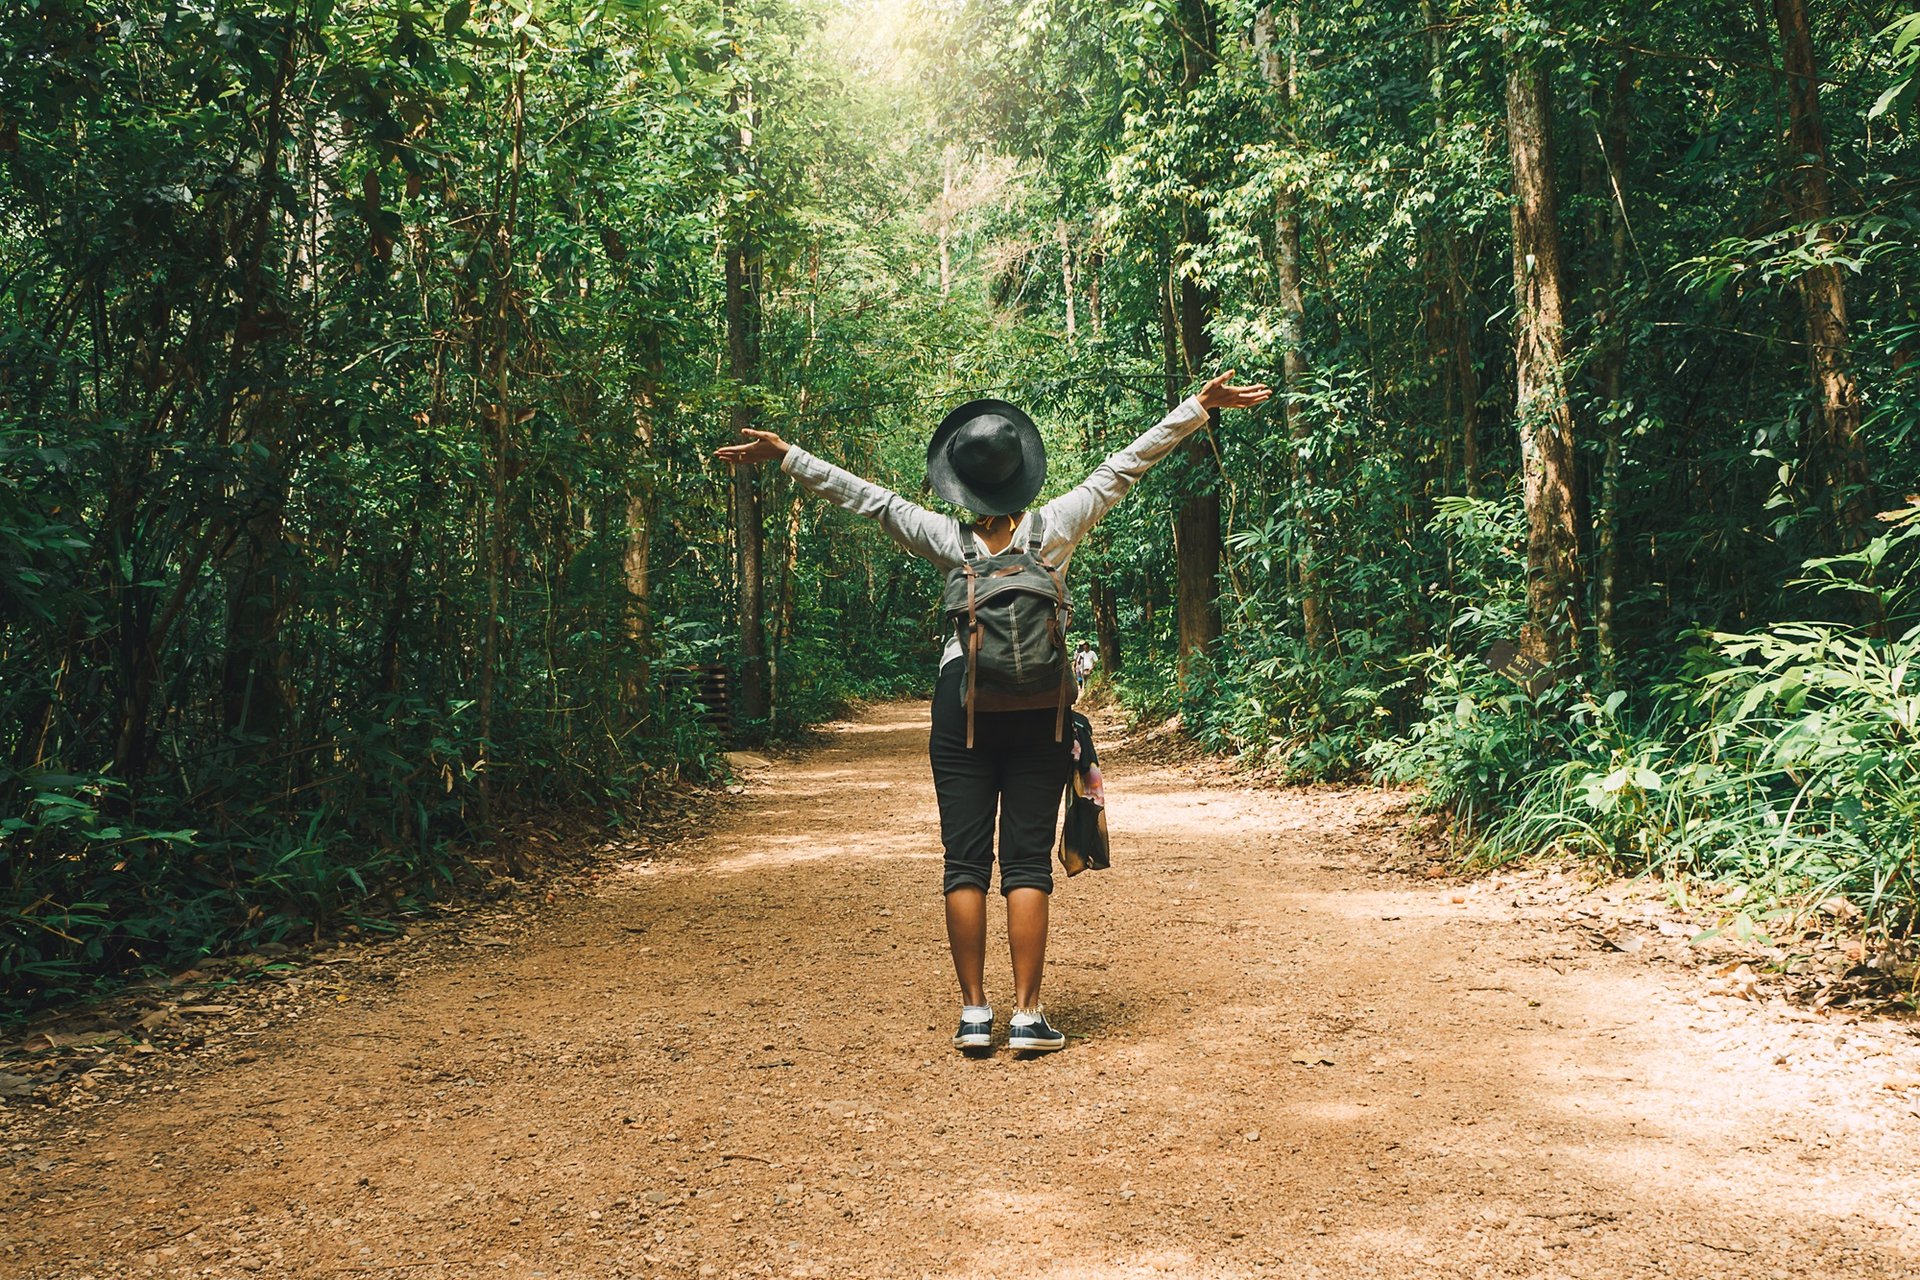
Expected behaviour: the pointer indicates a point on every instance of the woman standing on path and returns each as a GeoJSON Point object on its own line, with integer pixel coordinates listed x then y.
{"type": "Point", "coordinates": [987, 456]}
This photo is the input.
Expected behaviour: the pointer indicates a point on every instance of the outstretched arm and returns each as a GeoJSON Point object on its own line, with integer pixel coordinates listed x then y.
{"type": "Point", "coordinates": [1073, 513]}
{"type": "Point", "coordinates": [913, 527]}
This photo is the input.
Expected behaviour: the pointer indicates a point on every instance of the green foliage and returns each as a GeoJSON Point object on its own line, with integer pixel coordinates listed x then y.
{"type": "Point", "coordinates": [356, 413]}
{"type": "Point", "coordinates": [1700, 458]}
{"type": "Point", "coordinates": [1903, 95]}
{"type": "Point", "coordinates": [1787, 761]}
{"type": "Point", "coordinates": [1479, 733]}
{"type": "Point", "coordinates": [360, 368]}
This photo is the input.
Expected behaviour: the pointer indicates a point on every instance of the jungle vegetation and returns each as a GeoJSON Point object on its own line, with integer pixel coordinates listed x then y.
{"type": "Point", "coordinates": [363, 360]}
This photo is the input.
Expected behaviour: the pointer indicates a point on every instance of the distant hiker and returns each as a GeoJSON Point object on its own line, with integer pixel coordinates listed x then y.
{"type": "Point", "coordinates": [999, 745]}
{"type": "Point", "coordinates": [1083, 662]}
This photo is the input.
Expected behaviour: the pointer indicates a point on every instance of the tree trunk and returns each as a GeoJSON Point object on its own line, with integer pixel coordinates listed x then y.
{"type": "Point", "coordinates": [1066, 272]}
{"type": "Point", "coordinates": [743, 286]}
{"type": "Point", "coordinates": [498, 426]}
{"type": "Point", "coordinates": [1196, 533]}
{"type": "Point", "coordinates": [145, 647]}
{"type": "Point", "coordinates": [1316, 620]}
{"type": "Point", "coordinates": [1106, 625]}
{"type": "Point", "coordinates": [1096, 259]}
{"type": "Point", "coordinates": [386, 666]}
{"type": "Point", "coordinates": [252, 697]}
{"type": "Point", "coordinates": [946, 224]}
{"type": "Point", "coordinates": [789, 570]}
{"type": "Point", "coordinates": [789, 546]}
{"type": "Point", "coordinates": [1196, 537]}
{"type": "Point", "coordinates": [250, 692]}
{"type": "Point", "coordinates": [1823, 295]}
{"type": "Point", "coordinates": [636, 561]}
{"type": "Point", "coordinates": [1456, 327]}
{"type": "Point", "coordinates": [1171, 372]}
{"type": "Point", "coordinates": [1607, 232]}
{"type": "Point", "coordinates": [1466, 373]}
{"type": "Point", "coordinates": [1541, 403]}
{"type": "Point", "coordinates": [1315, 616]}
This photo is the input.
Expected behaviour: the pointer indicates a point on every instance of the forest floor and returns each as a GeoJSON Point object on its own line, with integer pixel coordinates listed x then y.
{"type": "Point", "coordinates": [1293, 1054]}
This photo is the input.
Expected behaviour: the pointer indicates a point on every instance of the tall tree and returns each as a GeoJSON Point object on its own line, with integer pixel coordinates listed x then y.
{"type": "Point", "coordinates": [943, 218]}
{"type": "Point", "coordinates": [1316, 618]}
{"type": "Point", "coordinates": [1540, 357]}
{"type": "Point", "coordinates": [1106, 623]}
{"type": "Point", "coordinates": [1454, 326]}
{"type": "Point", "coordinates": [1066, 274]}
{"type": "Point", "coordinates": [1823, 294]}
{"type": "Point", "coordinates": [1196, 527]}
{"type": "Point", "coordinates": [636, 561]}
{"type": "Point", "coordinates": [499, 418]}
{"type": "Point", "coordinates": [1604, 185]}
{"type": "Point", "coordinates": [744, 270]}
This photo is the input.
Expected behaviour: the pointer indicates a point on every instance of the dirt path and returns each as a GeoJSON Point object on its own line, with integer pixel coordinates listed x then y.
{"type": "Point", "coordinates": [733, 1061]}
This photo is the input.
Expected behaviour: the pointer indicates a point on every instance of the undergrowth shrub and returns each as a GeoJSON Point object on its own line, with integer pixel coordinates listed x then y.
{"type": "Point", "coordinates": [1794, 771]}
{"type": "Point", "coordinates": [1785, 761]}
{"type": "Point", "coordinates": [1480, 737]}
{"type": "Point", "coordinates": [1279, 705]}
{"type": "Point", "coordinates": [1479, 734]}
{"type": "Point", "coordinates": [89, 890]}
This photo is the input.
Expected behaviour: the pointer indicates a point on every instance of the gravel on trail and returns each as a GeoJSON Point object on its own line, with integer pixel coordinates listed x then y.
{"type": "Point", "coordinates": [732, 1060]}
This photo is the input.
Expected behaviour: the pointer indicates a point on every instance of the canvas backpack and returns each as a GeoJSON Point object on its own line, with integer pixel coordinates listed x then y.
{"type": "Point", "coordinates": [1010, 614]}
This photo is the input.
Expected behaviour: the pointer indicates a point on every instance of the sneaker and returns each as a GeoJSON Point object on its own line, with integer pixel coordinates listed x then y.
{"type": "Point", "coordinates": [974, 1032]}
{"type": "Point", "coordinates": [1031, 1033]}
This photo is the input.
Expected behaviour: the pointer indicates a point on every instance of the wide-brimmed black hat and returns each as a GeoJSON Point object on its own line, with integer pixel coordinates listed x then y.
{"type": "Point", "coordinates": [987, 456]}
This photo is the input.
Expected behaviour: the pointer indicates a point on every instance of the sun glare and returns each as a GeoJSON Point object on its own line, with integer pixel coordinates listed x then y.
{"type": "Point", "coordinates": [878, 35]}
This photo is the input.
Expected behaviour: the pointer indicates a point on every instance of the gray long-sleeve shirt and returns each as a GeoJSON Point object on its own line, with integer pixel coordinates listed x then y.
{"type": "Point", "coordinates": [936, 538]}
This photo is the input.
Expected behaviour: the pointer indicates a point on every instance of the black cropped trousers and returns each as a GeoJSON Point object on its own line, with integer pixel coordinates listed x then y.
{"type": "Point", "coordinates": [1014, 774]}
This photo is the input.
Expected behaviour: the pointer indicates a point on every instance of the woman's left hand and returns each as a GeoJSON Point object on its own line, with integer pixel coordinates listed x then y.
{"type": "Point", "coordinates": [761, 446]}
{"type": "Point", "coordinates": [1218, 395]}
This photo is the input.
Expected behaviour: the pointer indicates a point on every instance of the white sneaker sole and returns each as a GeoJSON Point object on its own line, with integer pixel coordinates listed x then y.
{"type": "Point", "coordinates": [1035, 1046]}
{"type": "Point", "coordinates": [974, 1041]}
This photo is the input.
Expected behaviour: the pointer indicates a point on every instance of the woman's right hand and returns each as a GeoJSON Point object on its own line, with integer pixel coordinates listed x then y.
{"type": "Point", "coordinates": [1218, 394]}
{"type": "Point", "coordinates": [761, 446]}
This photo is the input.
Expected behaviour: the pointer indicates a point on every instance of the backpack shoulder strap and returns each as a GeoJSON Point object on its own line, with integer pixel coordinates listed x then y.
{"type": "Point", "coordinates": [969, 548]}
{"type": "Point", "coordinates": [1036, 532]}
